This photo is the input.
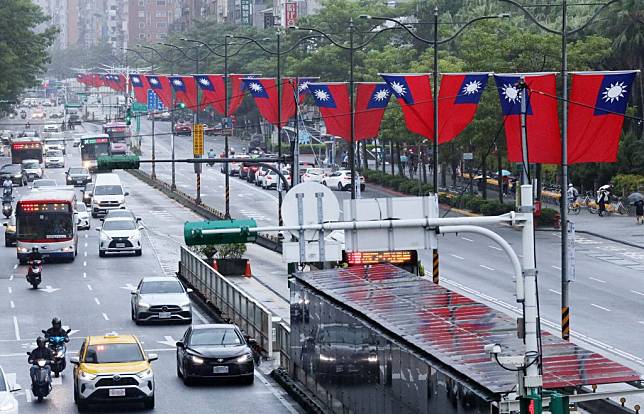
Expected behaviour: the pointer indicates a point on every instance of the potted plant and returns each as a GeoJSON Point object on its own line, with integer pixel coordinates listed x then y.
{"type": "Point", "coordinates": [230, 261]}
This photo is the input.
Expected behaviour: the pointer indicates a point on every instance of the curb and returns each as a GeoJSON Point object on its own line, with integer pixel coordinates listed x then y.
{"type": "Point", "coordinates": [600, 236]}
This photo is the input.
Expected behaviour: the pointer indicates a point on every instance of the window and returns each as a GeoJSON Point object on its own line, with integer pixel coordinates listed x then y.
{"type": "Point", "coordinates": [141, 35]}
{"type": "Point", "coordinates": [141, 13]}
{"type": "Point", "coordinates": [141, 3]}
{"type": "Point", "coordinates": [113, 353]}
{"type": "Point", "coordinates": [161, 14]}
{"type": "Point", "coordinates": [160, 2]}
{"type": "Point", "coordinates": [161, 25]}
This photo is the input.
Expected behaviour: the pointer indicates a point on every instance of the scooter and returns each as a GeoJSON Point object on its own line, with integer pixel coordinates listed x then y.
{"type": "Point", "coordinates": [23, 115]}
{"type": "Point", "coordinates": [40, 382]}
{"type": "Point", "coordinates": [59, 349]}
{"type": "Point", "coordinates": [7, 208]}
{"type": "Point", "coordinates": [34, 274]}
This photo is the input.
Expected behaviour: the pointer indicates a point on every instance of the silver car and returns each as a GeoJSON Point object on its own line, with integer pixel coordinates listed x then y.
{"type": "Point", "coordinates": [119, 235]}
{"type": "Point", "coordinates": [161, 298]}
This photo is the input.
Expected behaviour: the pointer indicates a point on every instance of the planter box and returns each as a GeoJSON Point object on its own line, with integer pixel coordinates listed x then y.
{"type": "Point", "coordinates": [231, 267]}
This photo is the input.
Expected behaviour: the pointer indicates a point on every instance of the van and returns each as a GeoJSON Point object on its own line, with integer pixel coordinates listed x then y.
{"type": "Point", "coordinates": [108, 194]}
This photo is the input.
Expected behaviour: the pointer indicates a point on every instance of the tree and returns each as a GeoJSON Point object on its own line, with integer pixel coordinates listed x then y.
{"type": "Point", "coordinates": [23, 51]}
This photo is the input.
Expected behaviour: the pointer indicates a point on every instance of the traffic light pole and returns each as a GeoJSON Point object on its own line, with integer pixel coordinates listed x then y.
{"type": "Point", "coordinates": [197, 166]}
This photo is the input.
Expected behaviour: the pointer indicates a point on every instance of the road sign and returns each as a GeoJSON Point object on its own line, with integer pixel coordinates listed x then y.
{"type": "Point", "coordinates": [72, 105]}
{"type": "Point", "coordinates": [468, 156]}
{"type": "Point", "coordinates": [112, 162]}
{"type": "Point", "coordinates": [152, 100]}
{"type": "Point", "coordinates": [139, 107]}
{"type": "Point", "coordinates": [192, 232]}
{"type": "Point", "coordinates": [197, 139]}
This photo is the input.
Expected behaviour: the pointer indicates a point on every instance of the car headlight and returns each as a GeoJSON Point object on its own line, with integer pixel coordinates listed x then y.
{"type": "Point", "coordinates": [185, 306]}
{"type": "Point", "coordinates": [23, 250]}
{"type": "Point", "coordinates": [104, 237]}
{"type": "Point", "coordinates": [196, 359]}
{"type": "Point", "coordinates": [326, 358]}
{"type": "Point", "coordinates": [144, 373]}
{"type": "Point", "coordinates": [87, 376]}
{"type": "Point", "coordinates": [135, 236]}
{"type": "Point", "coordinates": [143, 305]}
{"type": "Point", "coordinates": [244, 358]}
{"type": "Point", "coordinates": [372, 358]}
{"type": "Point", "coordinates": [9, 404]}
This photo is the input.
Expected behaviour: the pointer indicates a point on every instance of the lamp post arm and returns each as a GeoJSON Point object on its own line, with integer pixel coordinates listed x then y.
{"type": "Point", "coordinates": [139, 54]}
{"type": "Point", "coordinates": [401, 24]}
{"type": "Point", "coordinates": [194, 59]}
{"type": "Point", "coordinates": [455, 35]}
{"type": "Point", "coordinates": [329, 38]}
{"type": "Point", "coordinates": [375, 34]}
{"type": "Point", "coordinates": [299, 42]}
{"type": "Point", "coordinates": [159, 54]}
{"type": "Point", "coordinates": [593, 17]}
{"type": "Point", "coordinates": [531, 17]}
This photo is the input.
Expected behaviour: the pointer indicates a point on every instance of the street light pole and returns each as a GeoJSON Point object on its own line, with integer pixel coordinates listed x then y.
{"type": "Point", "coordinates": [352, 150]}
{"type": "Point", "coordinates": [435, 98]}
{"type": "Point", "coordinates": [196, 122]}
{"type": "Point", "coordinates": [279, 126]}
{"type": "Point", "coordinates": [226, 170]}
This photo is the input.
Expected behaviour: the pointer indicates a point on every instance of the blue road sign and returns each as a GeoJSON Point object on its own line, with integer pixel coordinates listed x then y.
{"type": "Point", "coordinates": [160, 106]}
{"type": "Point", "coordinates": [152, 100]}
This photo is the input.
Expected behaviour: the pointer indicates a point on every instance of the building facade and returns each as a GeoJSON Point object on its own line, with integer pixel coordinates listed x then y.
{"type": "Point", "coordinates": [149, 21]}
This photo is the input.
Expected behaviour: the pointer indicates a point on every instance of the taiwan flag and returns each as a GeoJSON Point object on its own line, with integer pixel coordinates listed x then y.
{"type": "Point", "coordinates": [160, 84]}
{"type": "Point", "coordinates": [140, 87]}
{"type": "Point", "coordinates": [264, 90]}
{"type": "Point", "coordinates": [237, 91]}
{"type": "Point", "coordinates": [185, 90]}
{"type": "Point", "coordinates": [544, 138]}
{"type": "Point", "coordinates": [212, 92]}
{"type": "Point", "coordinates": [333, 101]}
{"type": "Point", "coordinates": [371, 100]}
{"type": "Point", "coordinates": [303, 87]}
{"type": "Point", "coordinates": [596, 110]}
{"type": "Point", "coordinates": [119, 82]}
{"type": "Point", "coordinates": [414, 93]}
{"type": "Point", "coordinates": [459, 96]}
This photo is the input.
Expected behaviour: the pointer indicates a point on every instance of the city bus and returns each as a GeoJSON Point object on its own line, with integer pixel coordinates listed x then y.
{"type": "Point", "coordinates": [92, 147]}
{"type": "Point", "coordinates": [119, 134]}
{"type": "Point", "coordinates": [26, 149]}
{"type": "Point", "coordinates": [46, 220]}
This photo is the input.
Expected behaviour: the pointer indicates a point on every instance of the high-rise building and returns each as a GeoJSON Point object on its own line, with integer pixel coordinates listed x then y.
{"type": "Point", "coordinates": [149, 21]}
{"type": "Point", "coordinates": [57, 11]}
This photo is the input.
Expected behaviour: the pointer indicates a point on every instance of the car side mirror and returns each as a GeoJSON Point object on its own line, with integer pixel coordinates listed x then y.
{"type": "Point", "coordinates": [180, 344]}
{"type": "Point", "coordinates": [138, 219]}
{"type": "Point", "coordinates": [74, 360]}
{"type": "Point", "coordinates": [78, 221]}
{"type": "Point", "coordinates": [127, 193]}
{"type": "Point", "coordinates": [15, 387]}
{"type": "Point", "coordinates": [5, 224]}
{"type": "Point", "coordinates": [152, 357]}
{"type": "Point", "coordinates": [189, 290]}
{"type": "Point", "coordinates": [97, 229]}
{"type": "Point", "coordinates": [133, 292]}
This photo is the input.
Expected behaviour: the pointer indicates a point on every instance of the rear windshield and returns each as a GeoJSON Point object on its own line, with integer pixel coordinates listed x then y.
{"type": "Point", "coordinates": [112, 353]}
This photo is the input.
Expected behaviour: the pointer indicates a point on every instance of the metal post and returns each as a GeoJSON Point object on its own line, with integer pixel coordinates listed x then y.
{"type": "Point", "coordinates": [355, 184]}
{"type": "Point", "coordinates": [295, 163]}
{"type": "Point", "coordinates": [226, 171]}
{"type": "Point", "coordinates": [196, 117]}
{"type": "Point", "coordinates": [154, 157]}
{"type": "Point", "coordinates": [524, 133]}
{"type": "Point", "coordinates": [435, 268]}
{"type": "Point", "coordinates": [435, 76]}
{"type": "Point", "coordinates": [173, 186]}
{"type": "Point", "coordinates": [563, 207]}
{"type": "Point", "coordinates": [279, 127]}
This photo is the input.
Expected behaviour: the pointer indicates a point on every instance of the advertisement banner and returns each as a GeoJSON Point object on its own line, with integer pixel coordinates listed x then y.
{"type": "Point", "coordinates": [245, 13]}
{"type": "Point", "coordinates": [290, 14]}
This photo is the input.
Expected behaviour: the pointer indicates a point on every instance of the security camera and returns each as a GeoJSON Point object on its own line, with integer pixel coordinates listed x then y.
{"type": "Point", "coordinates": [492, 349]}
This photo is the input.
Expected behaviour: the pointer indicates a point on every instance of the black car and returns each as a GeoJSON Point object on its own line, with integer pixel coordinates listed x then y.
{"type": "Point", "coordinates": [15, 173]}
{"type": "Point", "coordinates": [77, 176]}
{"type": "Point", "coordinates": [88, 192]}
{"type": "Point", "coordinates": [74, 119]}
{"type": "Point", "coordinates": [215, 351]}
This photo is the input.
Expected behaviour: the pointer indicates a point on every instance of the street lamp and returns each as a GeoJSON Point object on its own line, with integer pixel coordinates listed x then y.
{"type": "Point", "coordinates": [435, 43]}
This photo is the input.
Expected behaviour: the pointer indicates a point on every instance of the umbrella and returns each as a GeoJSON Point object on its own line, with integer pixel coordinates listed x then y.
{"type": "Point", "coordinates": [635, 197]}
{"type": "Point", "coordinates": [605, 187]}
{"type": "Point", "coordinates": [505, 173]}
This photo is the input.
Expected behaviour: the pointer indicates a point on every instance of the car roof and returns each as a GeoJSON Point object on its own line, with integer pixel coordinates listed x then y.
{"type": "Point", "coordinates": [30, 160]}
{"type": "Point", "coordinates": [112, 338]}
{"type": "Point", "coordinates": [160, 279]}
{"type": "Point", "coordinates": [213, 326]}
{"type": "Point", "coordinates": [121, 218]}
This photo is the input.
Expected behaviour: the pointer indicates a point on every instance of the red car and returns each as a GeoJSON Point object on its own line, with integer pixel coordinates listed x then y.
{"type": "Point", "coordinates": [183, 128]}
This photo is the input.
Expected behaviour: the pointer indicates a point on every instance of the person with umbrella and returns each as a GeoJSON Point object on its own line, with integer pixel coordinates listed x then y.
{"type": "Point", "coordinates": [602, 198]}
{"type": "Point", "coordinates": [637, 199]}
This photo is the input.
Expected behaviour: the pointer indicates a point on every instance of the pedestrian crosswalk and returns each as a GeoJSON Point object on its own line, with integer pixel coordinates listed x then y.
{"type": "Point", "coordinates": [608, 251]}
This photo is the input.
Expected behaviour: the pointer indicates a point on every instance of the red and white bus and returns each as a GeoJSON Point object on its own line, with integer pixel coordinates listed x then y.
{"type": "Point", "coordinates": [26, 149]}
{"type": "Point", "coordinates": [119, 134]}
{"type": "Point", "coordinates": [46, 220]}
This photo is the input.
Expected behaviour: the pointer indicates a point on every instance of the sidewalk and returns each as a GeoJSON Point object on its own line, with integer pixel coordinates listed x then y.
{"type": "Point", "coordinates": [617, 228]}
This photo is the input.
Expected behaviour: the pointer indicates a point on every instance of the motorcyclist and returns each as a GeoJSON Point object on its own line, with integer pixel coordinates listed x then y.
{"type": "Point", "coordinates": [41, 352]}
{"type": "Point", "coordinates": [27, 125]}
{"type": "Point", "coordinates": [573, 193]}
{"type": "Point", "coordinates": [35, 255]}
{"type": "Point", "coordinates": [56, 329]}
{"type": "Point", "coordinates": [211, 155]}
{"type": "Point", "coordinates": [7, 186]}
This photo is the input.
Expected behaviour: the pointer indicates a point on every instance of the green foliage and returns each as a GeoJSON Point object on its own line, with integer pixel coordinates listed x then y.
{"type": "Point", "coordinates": [628, 183]}
{"type": "Point", "coordinates": [231, 251]}
{"type": "Point", "coordinates": [548, 217]}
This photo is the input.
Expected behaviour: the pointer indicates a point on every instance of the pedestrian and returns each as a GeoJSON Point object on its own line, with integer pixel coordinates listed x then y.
{"type": "Point", "coordinates": [602, 198]}
{"type": "Point", "coordinates": [639, 211]}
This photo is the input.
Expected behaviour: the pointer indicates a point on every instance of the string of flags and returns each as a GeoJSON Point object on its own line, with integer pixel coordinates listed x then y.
{"type": "Point", "coordinates": [596, 108]}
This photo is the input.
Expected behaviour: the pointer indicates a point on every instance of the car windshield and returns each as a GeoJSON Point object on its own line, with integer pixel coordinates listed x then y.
{"type": "Point", "coordinates": [11, 168]}
{"type": "Point", "coordinates": [355, 335]}
{"type": "Point", "coordinates": [118, 225]}
{"type": "Point", "coordinates": [216, 336]}
{"type": "Point", "coordinates": [118, 213]}
{"type": "Point", "coordinates": [44, 183]}
{"type": "Point", "coordinates": [48, 226]}
{"type": "Point", "coordinates": [315, 171]}
{"type": "Point", "coordinates": [113, 353]}
{"type": "Point", "coordinates": [31, 165]}
{"type": "Point", "coordinates": [108, 190]}
{"type": "Point", "coordinates": [161, 287]}
{"type": "Point", "coordinates": [54, 153]}
{"type": "Point", "coordinates": [2, 383]}
{"type": "Point", "coordinates": [80, 207]}
{"type": "Point", "coordinates": [78, 171]}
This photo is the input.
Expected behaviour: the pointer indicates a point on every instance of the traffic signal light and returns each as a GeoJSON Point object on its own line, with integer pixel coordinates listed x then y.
{"type": "Point", "coordinates": [181, 105]}
{"type": "Point", "coordinates": [192, 232]}
{"type": "Point", "coordinates": [531, 404]}
{"type": "Point", "coordinates": [128, 116]}
{"type": "Point", "coordinates": [117, 162]}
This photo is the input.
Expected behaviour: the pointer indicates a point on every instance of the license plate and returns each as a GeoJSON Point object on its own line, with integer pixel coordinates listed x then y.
{"type": "Point", "coordinates": [120, 245]}
{"type": "Point", "coordinates": [164, 315]}
{"type": "Point", "coordinates": [117, 392]}
{"type": "Point", "coordinates": [79, 181]}
{"type": "Point", "coordinates": [220, 370]}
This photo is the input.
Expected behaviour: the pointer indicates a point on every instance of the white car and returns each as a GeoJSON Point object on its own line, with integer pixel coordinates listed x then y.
{"type": "Point", "coordinates": [8, 404]}
{"type": "Point", "coordinates": [82, 216]}
{"type": "Point", "coordinates": [54, 158]}
{"type": "Point", "coordinates": [313, 174]}
{"type": "Point", "coordinates": [341, 180]}
{"type": "Point", "coordinates": [161, 298]}
{"type": "Point", "coordinates": [118, 235]}
{"type": "Point", "coordinates": [271, 178]}
{"type": "Point", "coordinates": [51, 128]}
{"type": "Point", "coordinates": [32, 169]}
{"type": "Point", "coordinates": [260, 175]}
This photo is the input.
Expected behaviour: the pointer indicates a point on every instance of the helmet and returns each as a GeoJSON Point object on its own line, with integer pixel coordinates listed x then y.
{"type": "Point", "coordinates": [569, 185]}
{"type": "Point", "coordinates": [40, 341]}
{"type": "Point", "coordinates": [34, 250]}
{"type": "Point", "coordinates": [56, 323]}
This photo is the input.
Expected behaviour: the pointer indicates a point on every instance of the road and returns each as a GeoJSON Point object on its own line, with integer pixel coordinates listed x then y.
{"type": "Point", "coordinates": [92, 296]}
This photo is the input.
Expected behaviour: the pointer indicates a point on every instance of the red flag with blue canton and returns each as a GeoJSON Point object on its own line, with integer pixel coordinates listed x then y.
{"type": "Point", "coordinates": [596, 114]}
{"type": "Point", "coordinates": [371, 100]}
{"type": "Point", "coordinates": [458, 98]}
{"type": "Point", "coordinates": [140, 86]}
{"type": "Point", "coordinates": [414, 93]}
{"type": "Point", "coordinates": [303, 87]}
{"type": "Point", "coordinates": [333, 101]}
{"type": "Point", "coordinates": [264, 90]}
{"type": "Point", "coordinates": [185, 90]}
{"type": "Point", "coordinates": [237, 91]}
{"type": "Point", "coordinates": [161, 87]}
{"type": "Point", "coordinates": [542, 120]}
{"type": "Point", "coordinates": [212, 91]}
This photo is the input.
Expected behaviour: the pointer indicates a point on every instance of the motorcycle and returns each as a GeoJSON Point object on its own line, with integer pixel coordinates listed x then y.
{"type": "Point", "coordinates": [40, 382]}
{"type": "Point", "coordinates": [34, 274]}
{"type": "Point", "coordinates": [59, 349]}
{"type": "Point", "coordinates": [7, 208]}
{"type": "Point", "coordinates": [23, 115]}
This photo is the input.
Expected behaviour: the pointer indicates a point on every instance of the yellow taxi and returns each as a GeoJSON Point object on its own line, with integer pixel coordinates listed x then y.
{"type": "Point", "coordinates": [113, 368]}
{"type": "Point", "coordinates": [10, 232]}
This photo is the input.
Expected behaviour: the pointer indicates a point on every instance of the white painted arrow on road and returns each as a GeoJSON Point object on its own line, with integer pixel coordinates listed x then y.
{"type": "Point", "coordinates": [169, 341]}
{"type": "Point", "coordinates": [49, 289]}
{"type": "Point", "coordinates": [129, 287]}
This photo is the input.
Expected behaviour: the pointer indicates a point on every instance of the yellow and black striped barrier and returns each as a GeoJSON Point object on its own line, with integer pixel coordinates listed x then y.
{"type": "Point", "coordinates": [565, 323]}
{"type": "Point", "coordinates": [435, 271]}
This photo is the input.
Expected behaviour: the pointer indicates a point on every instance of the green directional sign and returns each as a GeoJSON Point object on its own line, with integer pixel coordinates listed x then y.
{"type": "Point", "coordinates": [193, 232]}
{"type": "Point", "coordinates": [73, 105]}
{"type": "Point", "coordinates": [117, 162]}
{"type": "Point", "coordinates": [138, 107]}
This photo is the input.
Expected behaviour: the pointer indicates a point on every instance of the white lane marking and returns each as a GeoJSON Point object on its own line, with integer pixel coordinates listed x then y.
{"type": "Point", "coordinates": [84, 264]}
{"type": "Point", "coordinates": [641, 322]}
{"type": "Point", "coordinates": [456, 256]}
{"type": "Point", "coordinates": [169, 341]}
{"type": "Point", "coordinates": [56, 381]}
{"type": "Point", "coordinates": [554, 291]}
{"type": "Point", "coordinates": [28, 395]}
{"type": "Point", "coordinates": [89, 286]}
{"type": "Point", "coordinates": [85, 254]}
{"type": "Point", "coordinates": [105, 316]}
{"type": "Point", "coordinates": [486, 267]}
{"type": "Point", "coordinates": [555, 267]}
{"type": "Point", "coordinates": [494, 247]}
{"type": "Point", "coordinates": [98, 302]}
{"type": "Point", "coordinates": [465, 238]}
{"type": "Point", "coordinates": [600, 307]}
{"type": "Point", "coordinates": [16, 328]}
{"type": "Point", "coordinates": [85, 244]}
{"type": "Point", "coordinates": [637, 293]}
{"type": "Point", "coordinates": [15, 266]}
{"type": "Point", "coordinates": [9, 289]}
{"type": "Point", "coordinates": [13, 305]}
{"type": "Point", "coordinates": [11, 277]}
{"type": "Point", "coordinates": [597, 280]}
{"type": "Point", "coordinates": [279, 395]}
{"type": "Point", "coordinates": [86, 236]}
{"type": "Point", "coordinates": [84, 275]}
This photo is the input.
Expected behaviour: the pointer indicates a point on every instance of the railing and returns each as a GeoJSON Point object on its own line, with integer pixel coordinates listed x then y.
{"type": "Point", "coordinates": [235, 305]}
{"type": "Point", "coordinates": [282, 341]}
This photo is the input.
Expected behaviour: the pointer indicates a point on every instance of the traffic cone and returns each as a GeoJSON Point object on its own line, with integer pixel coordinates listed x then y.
{"type": "Point", "coordinates": [247, 272]}
{"type": "Point", "coordinates": [214, 265]}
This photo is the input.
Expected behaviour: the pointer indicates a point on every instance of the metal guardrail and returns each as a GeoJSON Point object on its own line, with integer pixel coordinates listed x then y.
{"type": "Point", "coordinates": [234, 304]}
{"type": "Point", "coordinates": [282, 344]}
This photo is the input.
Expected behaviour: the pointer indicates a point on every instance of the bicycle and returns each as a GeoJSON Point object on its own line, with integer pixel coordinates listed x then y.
{"type": "Point", "coordinates": [574, 207]}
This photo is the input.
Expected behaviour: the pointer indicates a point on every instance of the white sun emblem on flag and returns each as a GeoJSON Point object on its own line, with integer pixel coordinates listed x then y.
{"type": "Point", "coordinates": [399, 88]}
{"type": "Point", "coordinates": [303, 86]}
{"type": "Point", "coordinates": [472, 87]}
{"type": "Point", "coordinates": [614, 92]}
{"type": "Point", "coordinates": [153, 81]}
{"type": "Point", "coordinates": [381, 95]}
{"type": "Point", "coordinates": [204, 81]}
{"type": "Point", "coordinates": [135, 79]}
{"type": "Point", "coordinates": [321, 95]}
{"type": "Point", "coordinates": [255, 87]}
{"type": "Point", "coordinates": [510, 93]}
{"type": "Point", "coordinates": [177, 82]}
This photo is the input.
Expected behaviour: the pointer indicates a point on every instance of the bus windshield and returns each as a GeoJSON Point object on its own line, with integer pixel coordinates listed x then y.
{"type": "Point", "coordinates": [91, 151]}
{"type": "Point", "coordinates": [49, 226]}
